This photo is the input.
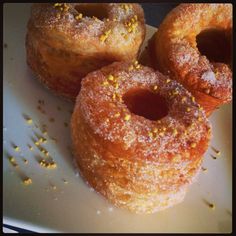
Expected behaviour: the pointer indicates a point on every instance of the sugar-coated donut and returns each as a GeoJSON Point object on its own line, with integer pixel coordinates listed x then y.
{"type": "Point", "coordinates": [138, 136]}
{"type": "Point", "coordinates": [65, 41]}
{"type": "Point", "coordinates": [194, 44]}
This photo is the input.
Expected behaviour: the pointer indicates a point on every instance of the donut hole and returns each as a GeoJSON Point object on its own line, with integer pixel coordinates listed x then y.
{"type": "Point", "coordinates": [145, 103]}
{"type": "Point", "coordinates": [215, 44]}
{"type": "Point", "coordinates": [92, 9]}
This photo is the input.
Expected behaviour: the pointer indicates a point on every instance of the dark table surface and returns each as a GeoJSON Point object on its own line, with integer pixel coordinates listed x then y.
{"type": "Point", "coordinates": [154, 14]}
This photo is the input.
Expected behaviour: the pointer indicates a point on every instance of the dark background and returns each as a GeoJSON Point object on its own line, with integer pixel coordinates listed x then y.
{"type": "Point", "coordinates": [156, 12]}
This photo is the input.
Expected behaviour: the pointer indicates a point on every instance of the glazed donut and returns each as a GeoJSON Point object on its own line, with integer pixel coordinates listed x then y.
{"type": "Point", "coordinates": [194, 44]}
{"type": "Point", "coordinates": [65, 41]}
{"type": "Point", "coordinates": [138, 136]}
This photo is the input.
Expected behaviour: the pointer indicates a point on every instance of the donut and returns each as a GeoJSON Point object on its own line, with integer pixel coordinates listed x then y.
{"type": "Point", "coordinates": [193, 45]}
{"type": "Point", "coordinates": [138, 137]}
{"type": "Point", "coordinates": [65, 41]}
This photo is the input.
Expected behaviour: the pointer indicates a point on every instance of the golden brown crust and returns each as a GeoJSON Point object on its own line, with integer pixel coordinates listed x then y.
{"type": "Point", "coordinates": [61, 49]}
{"type": "Point", "coordinates": [174, 51]}
{"type": "Point", "coordinates": [119, 157]}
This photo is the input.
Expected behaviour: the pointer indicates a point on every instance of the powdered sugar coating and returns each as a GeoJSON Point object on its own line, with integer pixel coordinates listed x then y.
{"type": "Point", "coordinates": [63, 46]}
{"type": "Point", "coordinates": [96, 104]}
{"type": "Point", "coordinates": [113, 146]}
{"type": "Point", "coordinates": [175, 52]}
{"type": "Point", "coordinates": [45, 17]}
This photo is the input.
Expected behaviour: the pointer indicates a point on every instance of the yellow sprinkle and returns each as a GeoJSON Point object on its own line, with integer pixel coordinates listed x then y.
{"type": "Point", "coordinates": [105, 36]}
{"type": "Point", "coordinates": [29, 121]}
{"type": "Point", "coordinates": [17, 149]}
{"type": "Point", "coordinates": [150, 134]}
{"type": "Point", "coordinates": [116, 85]}
{"type": "Point", "coordinates": [30, 148]}
{"type": "Point", "coordinates": [12, 159]}
{"type": "Point", "coordinates": [79, 16]}
{"type": "Point", "coordinates": [193, 99]}
{"type": "Point", "coordinates": [199, 118]}
{"type": "Point", "coordinates": [136, 63]}
{"type": "Point", "coordinates": [168, 80]}
{"type": "Point", "coordinates": [125, 7]}
{"type": "Point", "coordinates": [114, 96]}
{"type": "Point", "coordinates": [183, 99]}
{"type": "Point", "coordinates": [200, 108]}
{"type": "Point", "coordinates": [215, 150]}
{"type": "Point", "coordinates": [95, 18]}
{"type": "Point", "coordinates": [110, 77]}
{"type": "Point", "coordinates": [126, 36]}
{"type": "Point", "coordinates": [155, 130]}
{"type": "Point", "coordinates": [127, 117]}
{"type": "Point", "coordinates": [212, 206]}
{"type": "Point", "coordinates": [105, 83]}
{"type": "Point", "coordinates": [117, 114]}
{"type": "Point", "coordinates": [53, 165]}
{"type": "Point", "coordinates": [193, 145]}
{"type": "Point", "coordinates": [41, 140]}
{"type": "Point", "coordinates": [161, 134]}
{"type": "Point", "coordinates": [27, 181]}
{"type": "Point", "coordinates": [175, 92]}
{"type": "Point", "coordinates": [42, 150]}
{"type": "Point", "coordinates": [131, 67]}
{"type": "Point", "coordinates": [36, 143]}
{"type": "Point", "coordinates": [175, 132]}
{"type": "Point", "coordinates": [138, 66]}
{"type": "Point", "coordinates": [133, 20]}
{"type": "Point", "coordinates": [188, 109]}
{"type": "Point", "coordinates": [176, 158]}
{"type": "Point", "coordinates": [48, 165]}
{"type": "Point", "coordinates": [155, 87]}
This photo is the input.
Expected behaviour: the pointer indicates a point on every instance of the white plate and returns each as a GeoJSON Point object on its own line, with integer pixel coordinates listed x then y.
{"type": "Point", "coordinates": [73, 207]}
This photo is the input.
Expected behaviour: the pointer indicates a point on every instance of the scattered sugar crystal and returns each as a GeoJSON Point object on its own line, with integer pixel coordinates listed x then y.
{"type": "Point", "coordinates": [209, 76]}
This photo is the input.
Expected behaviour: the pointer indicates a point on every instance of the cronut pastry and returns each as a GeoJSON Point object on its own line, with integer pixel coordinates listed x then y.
{"type": "Point", "coordinates": [138, 136]}
{"type": "Point", "coordinates": [65, 41]}
{"type": "Point", "coordinates": [193, 45]}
